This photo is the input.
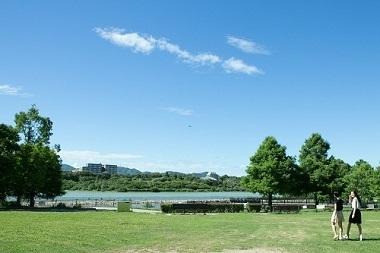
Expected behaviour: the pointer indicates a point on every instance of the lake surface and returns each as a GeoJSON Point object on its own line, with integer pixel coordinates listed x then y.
{"type": "Point", "coordinates": [154, 196]}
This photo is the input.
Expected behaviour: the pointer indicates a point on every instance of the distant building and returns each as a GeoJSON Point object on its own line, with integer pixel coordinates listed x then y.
{"type": "Point", "coordinates": [95, 168]}
{"type": "Point", "coordinates": [110, 169]}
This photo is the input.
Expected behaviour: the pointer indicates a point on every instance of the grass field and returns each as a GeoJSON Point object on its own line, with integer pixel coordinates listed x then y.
{"type": "Point", "coordinates": [114, 232]}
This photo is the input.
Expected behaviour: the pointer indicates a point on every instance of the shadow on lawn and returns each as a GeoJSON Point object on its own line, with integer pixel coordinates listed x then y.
{"type": "Point", "coordinates": [364, 239]}
{"type": "Point", "coordinates": [371, 239]}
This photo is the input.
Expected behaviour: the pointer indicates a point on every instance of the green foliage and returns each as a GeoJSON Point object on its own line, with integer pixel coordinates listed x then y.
{"type": "Point", "coordinates": [152, 182]}
{"type": "Point", "coordinates": [377, 185]}
{"type": "Point", "coordinates": [216, 207]}
{"type": "Point", "coordinates": [335, 174]}
{"type": "Point", "coordinates": [40, 172]}
{"type": "Point", "coordinates": [60, 205]}
{"type": "Point", "coordinates": [270, 170]}
{"type": "Point", "coordinates": [39, 166]}
{"type": "Point", "coordinates": [314, 162]}
{"type": "Point", "coordinates": [254, 207]}
{"type": "Point", "coordinates": [32, 127]}
{"type": "Point", "coordinates": [363, 179]}
{"type": "Point", "coordinates": [77, 206]}
{"type": "Point", "coordinates": [8, 149]}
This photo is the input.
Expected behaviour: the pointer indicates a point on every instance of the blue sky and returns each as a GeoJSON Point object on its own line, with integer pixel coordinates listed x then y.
{"type": "Point", "coordinates": [123, 80]}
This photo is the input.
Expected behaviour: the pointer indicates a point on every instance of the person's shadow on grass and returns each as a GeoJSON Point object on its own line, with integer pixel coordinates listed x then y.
{"type": "Point", "coordinates": [364, 239]}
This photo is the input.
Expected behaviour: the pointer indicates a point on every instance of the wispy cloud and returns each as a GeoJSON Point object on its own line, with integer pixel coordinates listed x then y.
{"type": "Point", "coordinates": [233, 65]}
{"type": "Point", "coordinates": [141, 43]}
{"type": "Point", "coordinates": [87, 156]}
{"type": "Point", "coordinates": [179, 111]}
{"type": "Point", "coordinates": [203, 58]}
{"type": "Point", "coordinates": [146, 44]}
{"type": "Point", "coordinates": [12, 91]}
{"type": "Point", "coordinates": [247, 46]}
{"type": "Point", "coordinates": [138, 43]}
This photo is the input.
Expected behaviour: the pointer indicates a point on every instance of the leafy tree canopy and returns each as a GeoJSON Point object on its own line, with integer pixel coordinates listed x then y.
{"type": "Point", "coordinates": [270, 170]}
{"type": "Point", "coordinates": [8, 149]}
{"type": "Point", "coordinates": [363, 179]}
{"type": "Point", "coordinates": [32, 127]}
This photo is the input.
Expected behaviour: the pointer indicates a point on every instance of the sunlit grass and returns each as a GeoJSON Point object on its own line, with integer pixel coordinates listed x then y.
{"type": "Point", "coordinates": [127, 232]}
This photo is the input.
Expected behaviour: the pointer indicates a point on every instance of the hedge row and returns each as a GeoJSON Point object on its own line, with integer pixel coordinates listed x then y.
{"type": "Point", "coordinates": [202, 208]}
{"type": "Point", "coordinates": [256, 208]}
{"type": "Point", "coordinates": [223, 207]}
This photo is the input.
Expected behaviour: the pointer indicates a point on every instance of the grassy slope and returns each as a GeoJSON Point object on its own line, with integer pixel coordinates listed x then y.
{"type": "Point", "coordinates": [117, 232]}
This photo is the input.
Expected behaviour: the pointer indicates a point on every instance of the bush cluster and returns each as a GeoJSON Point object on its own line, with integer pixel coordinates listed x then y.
{"type": "Point", "coordinates": [253, 207]}
{"type": "Point", "coordinates": [218, 207]}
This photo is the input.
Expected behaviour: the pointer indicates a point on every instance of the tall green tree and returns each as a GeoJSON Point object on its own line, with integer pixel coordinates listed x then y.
{"type": "Point", "coordinates": [270, 170]}
{"type": "Point", "coordinates": [33, 127]}
{"type": "Point", "coordinates": [377, 186]}
{"type": "Point", "coordinates": [335, 176]}
{"type": "Point", "coordinates": [364, 179]}
{"type": "Point", "coordinates": [39, 165]}
{"type": "Point", "coordinates": [314, 162]}
{"type": "Point", "coordinates": [41, 171]}
{"type": "Point", "coordinates": [8, 159]}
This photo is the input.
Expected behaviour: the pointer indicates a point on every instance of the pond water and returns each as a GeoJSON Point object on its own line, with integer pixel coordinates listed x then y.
{"type": "Point", "coordinates": [153, 196]}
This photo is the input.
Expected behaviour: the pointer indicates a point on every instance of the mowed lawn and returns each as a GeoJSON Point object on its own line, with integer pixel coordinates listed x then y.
{"type": "Point", "coordinates": [141, 232]}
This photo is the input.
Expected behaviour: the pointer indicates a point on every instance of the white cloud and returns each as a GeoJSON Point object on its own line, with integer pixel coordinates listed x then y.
{"type": "Point", "coordinates": [146, 44]}
{"type": "Point", "coordinates": [12, 91]}
{"type": "Point", "coordinates": [233, 65]}
{"type": "Point", "coordinates": [203, 58]}
{"type": "Point", "coordinates": [247, 46]}
{"type": "Point", "coordinates": [86, 156]}
{"type": "Point", "coordinates": [138, 43]}
{"type": "Point", "coordinates": [179, 111]}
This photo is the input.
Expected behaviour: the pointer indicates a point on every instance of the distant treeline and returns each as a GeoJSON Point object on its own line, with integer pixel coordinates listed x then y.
{"type": "Point", "coordinates": [152, 182]}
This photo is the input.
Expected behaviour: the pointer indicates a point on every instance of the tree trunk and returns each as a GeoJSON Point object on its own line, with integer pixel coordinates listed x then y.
{"type": "Point", "coordinates": [316, 198]}
{"type": "Point", "coordinates": [31, 200]}
{"type": "Point", "coordinates": [18, 200]}
{"type": "Point", "coordinates": [2, 197]}
{"type": "Point", "coordinates": [270, 200]}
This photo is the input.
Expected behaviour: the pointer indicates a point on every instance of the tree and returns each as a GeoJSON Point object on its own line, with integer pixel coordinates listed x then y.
{"type": "Point", "coordinates": [42, 176]}
{"type": "Point", "coordinates": [314, 162]}
{"type": "Point", "coordinates": [8, 149]}
{"type": "Point", "coordinates": [363, 179]}
{"type": "Point", "coordinates": [39, 172]}
{"type": "Point", "coordinates": [270, 170]}
{"type": "Point", "coordinates": [377, 186]}
{"type": "Point", "coordinates": [32, 127]}
{"type": "Point", "coordinates": [335, 173]}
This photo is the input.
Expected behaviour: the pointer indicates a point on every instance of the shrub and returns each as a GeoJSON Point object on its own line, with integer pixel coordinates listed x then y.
{"type": "Point", "coordinates": [253, 207]}
{"type": "Point", "coordinates": [148, 205]}
{"type": "Point", "coordinates": [12, 205]}
{"type": "Point", "coordinates": [202, 208]}
{"type": "Point", "coordinates": [61, 205]}
{"type": "Point", "coordinates": [77, 206]}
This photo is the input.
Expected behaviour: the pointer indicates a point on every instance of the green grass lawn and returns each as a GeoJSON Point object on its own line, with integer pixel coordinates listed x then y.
{"type": "Point", "coordinates": [139, 232]}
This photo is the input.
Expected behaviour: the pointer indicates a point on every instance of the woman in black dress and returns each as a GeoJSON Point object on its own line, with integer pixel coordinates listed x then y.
{"type": "Point", "coordinates": [355, 216]}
